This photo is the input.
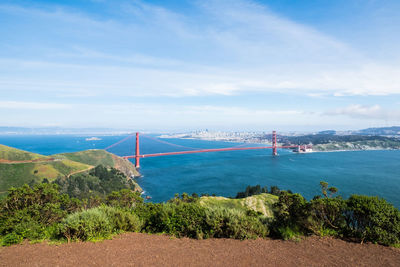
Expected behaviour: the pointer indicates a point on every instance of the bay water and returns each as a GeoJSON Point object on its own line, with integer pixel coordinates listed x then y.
{"type": "Point", "coordinates": [375, 173]}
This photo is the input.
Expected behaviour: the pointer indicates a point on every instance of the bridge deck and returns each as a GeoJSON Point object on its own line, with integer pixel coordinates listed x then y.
{"type": "Point", "coordinates": [204, 151]}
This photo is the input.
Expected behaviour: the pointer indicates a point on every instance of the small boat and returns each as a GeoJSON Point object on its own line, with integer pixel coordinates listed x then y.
{"type": "Point", "coordinates": [148, 197]}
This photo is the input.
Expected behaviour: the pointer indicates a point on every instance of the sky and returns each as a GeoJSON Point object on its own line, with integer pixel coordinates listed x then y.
{"type": "Point", "coordinates": [244, 65]}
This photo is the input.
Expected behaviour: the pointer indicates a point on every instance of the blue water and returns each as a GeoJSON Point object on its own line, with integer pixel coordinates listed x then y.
{"type": "Point", "coordinates": [225, 173]}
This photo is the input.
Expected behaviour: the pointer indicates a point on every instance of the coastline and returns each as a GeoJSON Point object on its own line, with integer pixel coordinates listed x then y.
{"type": "Point", "coordinates": [258, 143]}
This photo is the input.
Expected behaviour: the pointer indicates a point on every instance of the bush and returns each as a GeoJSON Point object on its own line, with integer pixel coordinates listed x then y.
{"type": "Point", "coordinates": [122, 220]}
{"type": "Point", "coordinates": [372, 219]}
{"type": "Point", "coordinates": [289, 233]}
{"type": "Point", "coordinates": [231, 223]}
{"type": "Point", "coordinates": [180, 219]}
{"type": "Point", "coordinates": [327, 216]}
{"type": "Point", "coordinates": [11, 238]}
{"type": "Point", "coordinates": [86, 225]}
{"type": "Point", "coordinates": [28, 211]}
{"type": "Point", "coordinates": [98, 223]}
{"type": "Point", "coordinates": [124, 198]}
{"type": "Point", "coordinates": [290, 212]}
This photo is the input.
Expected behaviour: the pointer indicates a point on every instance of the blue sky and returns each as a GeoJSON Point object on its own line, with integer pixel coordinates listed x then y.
{"type": "Point", "coordinates": [185, 65]}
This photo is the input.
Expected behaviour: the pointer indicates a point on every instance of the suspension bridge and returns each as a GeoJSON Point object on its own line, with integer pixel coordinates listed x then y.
{"type": "Point", "coordinates": [137, 156]}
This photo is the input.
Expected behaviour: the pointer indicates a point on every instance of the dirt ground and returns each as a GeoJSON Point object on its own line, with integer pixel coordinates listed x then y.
{"type": "Point", "coordinates": [134, 249]}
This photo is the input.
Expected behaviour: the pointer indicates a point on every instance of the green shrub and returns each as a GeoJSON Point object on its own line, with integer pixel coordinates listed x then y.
{"type": "Point", "coordinates": [372, 219]}
{"type": "Point", "coordinates": [124, 198]}
{"type": "Point", "coordinates": [122, 220]}
{"type": "Point", "coordinates": [232, 223]}
{"type": "Point", "coordinates": [289, 233]}
{"type": "Point", "coordinates": [98, 223]}
{"type": "Point", "coordinates": [290, 212]}
{"type": "Point", "coordinates": [28, 211]}
{"type": "Point", "coordinates": [30, 229]}
{"type": "Point", "coordinates": [86, 225]}
{"type": "Point", "coordinates": [179, 219]}
{"type": "Point", "coordinates": [11, 238]}
{"type": "Point", "coordinates": [326, 216]}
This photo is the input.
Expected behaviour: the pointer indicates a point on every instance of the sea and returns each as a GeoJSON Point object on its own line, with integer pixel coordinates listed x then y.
{"type": "Point", "coordinates": [374, 173]}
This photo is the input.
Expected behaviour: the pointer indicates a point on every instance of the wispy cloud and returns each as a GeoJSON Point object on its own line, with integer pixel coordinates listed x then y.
{"type": "Point", "coordinates": [221, 49]}
{"type": "Point", "coordinates": [32, 105]}
{"type": "Point", "coordinates": [366, 112]}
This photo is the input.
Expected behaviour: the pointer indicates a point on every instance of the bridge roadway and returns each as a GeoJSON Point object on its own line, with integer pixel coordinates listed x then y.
{"type": "Point", "coordinates": [204, 151]}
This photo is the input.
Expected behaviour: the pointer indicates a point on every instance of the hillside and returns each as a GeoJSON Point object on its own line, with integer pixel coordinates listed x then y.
{"type": "Point", "coordinates": [330, 142]}
{"type": "Point", "coordinates": [358, 145]}
{"type": "Point", "coordinates": [96, 157]}
{"type": "Point", "coordinates": [260, 203]}
{"type": "Point", "coordinates": [17, 174]}
{"type": "Point", "coordinates": [18, 167]}
{"type": "Point", "coordinates": [391, 131]}
{"type": "Point", "coordinates": [12, 154]}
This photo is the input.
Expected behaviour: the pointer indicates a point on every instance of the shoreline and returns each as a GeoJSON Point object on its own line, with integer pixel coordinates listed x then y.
{"type": "Point", "coordinates": [256, 143]}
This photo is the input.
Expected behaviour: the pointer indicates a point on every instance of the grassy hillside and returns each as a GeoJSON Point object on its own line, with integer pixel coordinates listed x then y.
{"type": "Point", "coordinates": [10, 153]}
{"type": "Point", "coordinates": [260, 203]}
{"type": "Point", "coordinates": [96, 157]}
{"type": "Point", "coordinates": [15, 174]}
{"type": "Point", "coordinates": [24, 173]}
{"type": "Point", "coordinates": [92, 157]}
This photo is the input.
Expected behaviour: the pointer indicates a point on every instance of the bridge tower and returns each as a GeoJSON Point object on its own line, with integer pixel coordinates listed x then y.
{"type": "Point", "coordinates": [137, 158]}
{"type": "Point", "coordinates": [274, 145]}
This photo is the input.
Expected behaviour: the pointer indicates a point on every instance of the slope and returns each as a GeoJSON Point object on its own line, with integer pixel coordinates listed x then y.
{"type": "Point", "coordinates": [260, 203]}
{"type": "Point", "coordinates": [96, 157]}
{"type": "Point", "coordinates": [12, 154]}
{"type": "Point", "coordinates": [18, 167]}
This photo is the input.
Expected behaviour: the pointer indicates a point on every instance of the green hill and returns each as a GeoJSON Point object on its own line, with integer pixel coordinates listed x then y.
{"type": "Point", "coordinates": [96, 157]}
{"type": "Point", "coordinates": [18, 167]}
{"type": "Point", "coordinates": [10, 153]}
{"type": "Point", "coordinates": [17, 174]}
{"type": "Point", "coordinates": [260, 203]}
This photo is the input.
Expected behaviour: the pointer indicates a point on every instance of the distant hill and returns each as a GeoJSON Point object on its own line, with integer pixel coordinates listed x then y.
{"type": "Point", "coordinates": [327, 132]}
{"type": "Point", "coordinates": [324, 142]}
{"type": "Point", "coordinates": [394, 130]}
{"type": "Point", "coordinates": [18, 167]}
{"type": "Point", "coordinates": [96, 157]}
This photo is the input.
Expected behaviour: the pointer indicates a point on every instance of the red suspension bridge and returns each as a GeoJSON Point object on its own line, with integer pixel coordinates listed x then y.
{"type": "Point", "coordinates": [138, 156]}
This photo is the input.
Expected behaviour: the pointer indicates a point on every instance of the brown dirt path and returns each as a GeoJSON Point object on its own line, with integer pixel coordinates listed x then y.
{"type": "Point", "coordinates": [133, 249]}
{"type": "Point", "coordinates": [6, 161]}
{"type": "Point", "coordinates": [76, 172]}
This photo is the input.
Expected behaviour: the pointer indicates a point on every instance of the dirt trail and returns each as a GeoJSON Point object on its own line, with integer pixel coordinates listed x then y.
{"type": "Point", "coordinates": [75, 172]}
{"type": "Point", "coordinates": [133, 249]}
{"type": "Point", "coordinates": [6, 161]}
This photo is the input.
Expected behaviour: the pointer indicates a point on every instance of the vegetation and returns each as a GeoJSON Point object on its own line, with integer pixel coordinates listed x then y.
{"type": "Point", "coordinates": [261, 203]}
{"type": "Point", "coordinates": [256, 190]}
{"type": "Point", "coordinates": [19, 167]}
{"type": "Point", "coordinates": [329, 142]}
{"type": "Point", "coordinates": [42, 212]}
{"type": "Point", "coordinates": [90, 157]}
{"type": "Point", "coordinates": [95, 157]}
{"type": "Point", "coordinates": [326, 138]}
{"type": "Point", "coordinates": [362, 218]}
{"type": "Point", "coordinates": [10, 153]}
{"type": "Point", "coordinates": [100, 181]}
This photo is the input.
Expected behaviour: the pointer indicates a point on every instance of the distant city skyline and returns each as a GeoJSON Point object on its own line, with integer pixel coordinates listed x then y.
{"type": "Point", "coordinates": [214, 64]}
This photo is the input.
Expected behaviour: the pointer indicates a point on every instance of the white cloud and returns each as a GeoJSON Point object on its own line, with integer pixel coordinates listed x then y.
{"type": "Point", "coordinates": [366, 112]}
{"type": "Point", "coordinates": [32, 105]}
{"type": "Point", "coordinates": [239, 47]}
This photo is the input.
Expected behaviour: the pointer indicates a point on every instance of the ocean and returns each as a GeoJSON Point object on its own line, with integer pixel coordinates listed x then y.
{"type": "Point", "coordinates": [374, 173]}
